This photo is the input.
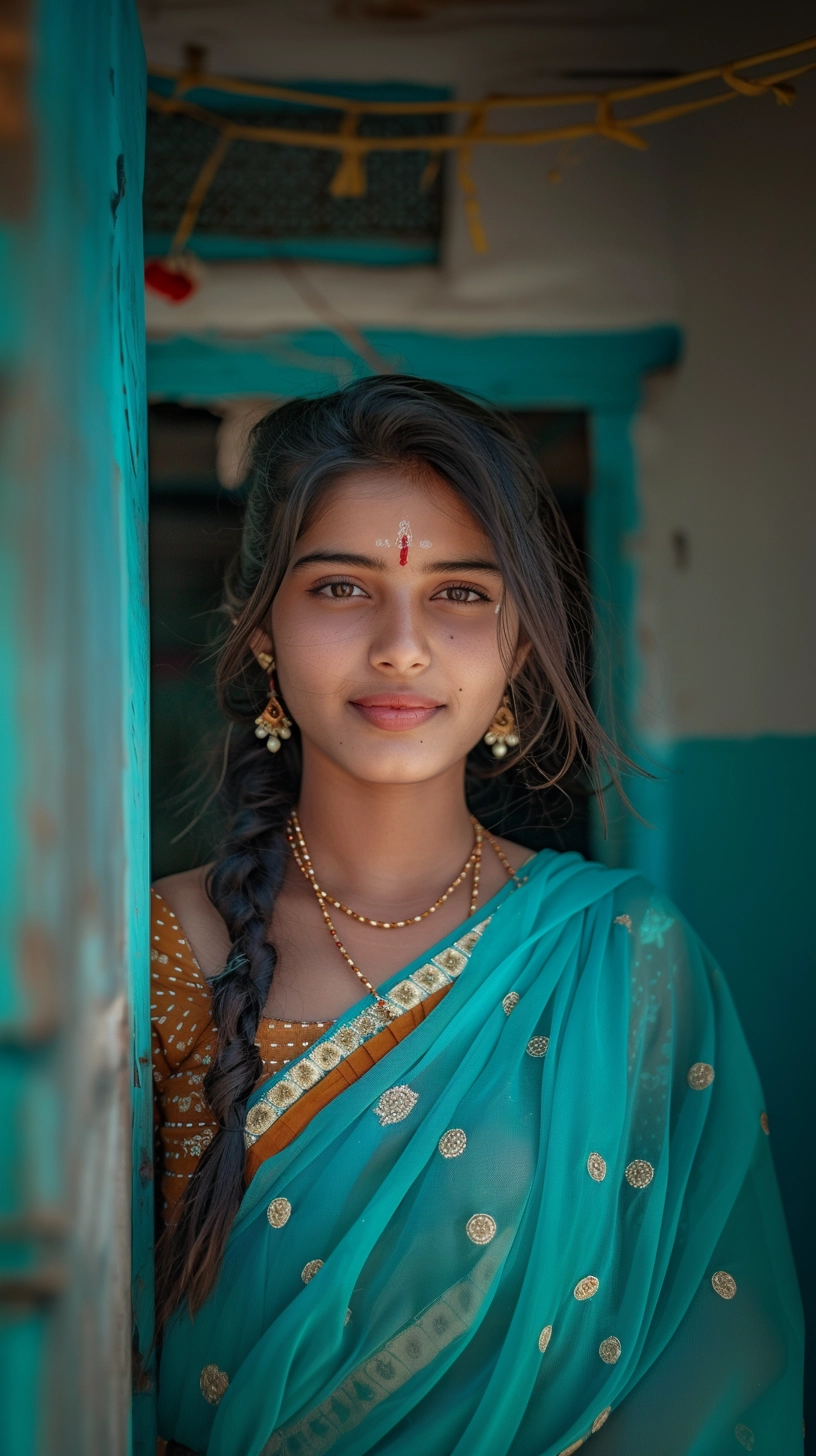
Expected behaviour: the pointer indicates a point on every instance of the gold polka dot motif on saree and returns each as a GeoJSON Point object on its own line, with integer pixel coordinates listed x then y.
{"type": "Point", "coordinates": [510, 1002]}
{"type": "Point", "coordinates": [279, 1212]}
{"type": "Point", "coordinates": [537, 1046]}
{"type": "Point", "coordinates": [600, 1420]}
{"type": "Point", "coordinates": [481, 1228]}
{"type": "Point", "coordinates": [587, 1287]}
{"type": "Point", "coordinates": [745, 1436]}
{"type": "Point", "coordinates": [309, 1270]}
{"type": "Point", "coordinates": [576, 1445]}
{"type": "Point", "coordinates": [639, 1173]}
{"type": "Point", "coordinates": [395, 1105]}
{"type": "Point", "coordinates": [544, 1338]}
{"type": "Point", "coordinates": [764, 1123]}
{"type": "Point", "coordinates": [610, 1350]}
{"type": "Point", "coordinates": [213, 1383]}
{"type": "Point", "coordinates": [596, 1167]}
{"type": "Point", "coordinates": [700, 1076]}
{"type": "Point", "coordinates": [724, 1284]}
{"type": "Point", "coordinates": [452, 1143]}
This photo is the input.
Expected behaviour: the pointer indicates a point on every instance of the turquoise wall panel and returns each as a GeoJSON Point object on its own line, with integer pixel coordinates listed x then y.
{"type": "Point", "coordinates": [73, 732]}
{"type": "Point", "coordinates": [733, 844]}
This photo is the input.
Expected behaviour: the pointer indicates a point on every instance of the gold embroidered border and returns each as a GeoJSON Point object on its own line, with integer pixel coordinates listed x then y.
{"type": "Point", "coordinates": [441, 970]}
{"type": "Point", "coordinates": [390, 1367]}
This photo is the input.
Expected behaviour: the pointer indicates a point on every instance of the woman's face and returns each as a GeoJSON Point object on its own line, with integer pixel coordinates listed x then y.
{"type": "Point", "coordinates": [385, 629]}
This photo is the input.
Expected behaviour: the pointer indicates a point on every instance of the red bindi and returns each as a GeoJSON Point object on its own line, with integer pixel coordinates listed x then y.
{"type": "Point", "coordinates": [404, 539]}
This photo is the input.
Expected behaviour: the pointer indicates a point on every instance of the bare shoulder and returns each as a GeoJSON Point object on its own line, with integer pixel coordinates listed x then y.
{"type": "Point", "coordinates": [203, 927]}
{"type": "Point", "coordinates": [515, 853]}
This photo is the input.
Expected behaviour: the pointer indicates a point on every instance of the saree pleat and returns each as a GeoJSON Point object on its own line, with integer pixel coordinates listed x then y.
{"type": "Point", "coordinates": [547, 1215]}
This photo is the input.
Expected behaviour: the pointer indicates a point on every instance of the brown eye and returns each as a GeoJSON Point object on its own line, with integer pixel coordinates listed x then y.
{"type": "Point", "coordinates": [341, 589]}
{"type": "Point", "coordinates": [462, 595]}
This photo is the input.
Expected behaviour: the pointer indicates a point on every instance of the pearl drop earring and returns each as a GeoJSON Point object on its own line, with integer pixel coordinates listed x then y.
{"type": "Point", "coordinates": [502, 734]}
{"type": "Point", "coordinates": [273, 724]}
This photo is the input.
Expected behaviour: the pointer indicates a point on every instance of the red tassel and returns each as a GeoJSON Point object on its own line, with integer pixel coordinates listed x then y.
{"type": "Point", "coordinates": [172, 282]}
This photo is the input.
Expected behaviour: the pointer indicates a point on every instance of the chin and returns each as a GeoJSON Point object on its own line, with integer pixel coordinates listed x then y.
{"type": "Point", "coordinates": [393, 763]}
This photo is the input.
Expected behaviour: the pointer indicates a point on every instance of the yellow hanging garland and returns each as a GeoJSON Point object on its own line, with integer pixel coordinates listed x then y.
{"type": "Point", "coordinates": [349, 179]}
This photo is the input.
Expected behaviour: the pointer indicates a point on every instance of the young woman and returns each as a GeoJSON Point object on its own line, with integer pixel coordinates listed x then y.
{"type": "Point", "coordinates": [463, 1152]}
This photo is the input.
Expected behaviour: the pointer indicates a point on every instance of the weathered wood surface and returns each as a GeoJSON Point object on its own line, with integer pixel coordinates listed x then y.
{"type": "Point", "coordinates": [73, 729]}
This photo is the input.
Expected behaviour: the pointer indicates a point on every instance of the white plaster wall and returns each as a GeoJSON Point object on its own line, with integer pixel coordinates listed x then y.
{"type": "Point", "coordinates": [728, 441]}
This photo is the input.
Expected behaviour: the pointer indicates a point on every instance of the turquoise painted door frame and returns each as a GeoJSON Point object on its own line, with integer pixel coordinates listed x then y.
{"type": "Point", "coordinates": [73, 735]}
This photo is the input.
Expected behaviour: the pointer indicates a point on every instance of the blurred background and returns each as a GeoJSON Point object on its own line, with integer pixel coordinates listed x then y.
{"type": "Point", "coordinates": [649, 319]}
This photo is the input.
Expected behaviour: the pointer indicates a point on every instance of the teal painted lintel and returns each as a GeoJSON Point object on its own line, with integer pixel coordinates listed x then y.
{"type": "Point", "coordinates": [368, 252]}
{"type": "Point", "coordinates": [593, 371]}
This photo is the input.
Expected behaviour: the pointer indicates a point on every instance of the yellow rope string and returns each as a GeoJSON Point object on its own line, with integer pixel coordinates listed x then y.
{"type": "Point", "coordinates": [464, 155]}
{"type": "Point", "coordinates": [349, 179]}
{"type": "Point", "coordinates": [201, 187]}
{"type": "Point", "coordinates": [192, 79]}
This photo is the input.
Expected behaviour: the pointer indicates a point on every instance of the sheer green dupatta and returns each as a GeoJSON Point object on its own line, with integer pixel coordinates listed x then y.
{"type": "Point", "coordinates": [564, 1224]}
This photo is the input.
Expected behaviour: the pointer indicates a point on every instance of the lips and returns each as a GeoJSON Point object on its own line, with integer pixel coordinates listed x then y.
{"type": "Point", "coordinates": [396, 712]}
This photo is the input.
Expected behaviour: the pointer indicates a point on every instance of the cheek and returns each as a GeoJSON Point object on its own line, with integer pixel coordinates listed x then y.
{"type": "Point", "coordinates": [472, 662]}
{"type": "Point", "coordinates": [315, 654]}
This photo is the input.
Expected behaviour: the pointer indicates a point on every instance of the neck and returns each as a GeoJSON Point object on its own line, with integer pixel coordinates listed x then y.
{"type": "Point", "coordinates": [383, 846]}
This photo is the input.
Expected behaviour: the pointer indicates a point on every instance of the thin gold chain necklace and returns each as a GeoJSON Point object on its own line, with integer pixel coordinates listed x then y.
{"type": "Point", "coordinates": [297, 843]}
{"type": "Point", "coordinates": [301, 853]}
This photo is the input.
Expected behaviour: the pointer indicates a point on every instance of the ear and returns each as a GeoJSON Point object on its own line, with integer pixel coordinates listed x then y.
{"type": "Point", "coordinates": [520, 656]}
{"type": "Point", "coordinates": [261, 644]}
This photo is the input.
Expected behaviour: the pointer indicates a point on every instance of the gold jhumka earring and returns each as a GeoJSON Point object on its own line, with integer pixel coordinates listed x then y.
{"type": "Point", "coordinates": [273, 724]}
{"type": "Point", "coordinates": [502, 733]}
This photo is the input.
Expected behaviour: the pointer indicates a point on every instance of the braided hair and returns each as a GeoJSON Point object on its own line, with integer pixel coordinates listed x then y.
{"type": "Point", "coordinates": [296, 453]}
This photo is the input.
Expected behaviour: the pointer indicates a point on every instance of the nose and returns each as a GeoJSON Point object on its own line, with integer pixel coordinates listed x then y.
{"type": "Point", "coordinates": [400, 647]}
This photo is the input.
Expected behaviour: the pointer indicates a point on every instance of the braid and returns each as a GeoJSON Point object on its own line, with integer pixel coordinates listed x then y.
{"type": "Point", "coordinates": [243, 886]}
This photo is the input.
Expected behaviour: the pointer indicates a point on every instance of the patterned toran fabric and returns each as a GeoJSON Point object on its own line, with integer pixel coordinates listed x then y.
{"type": "Point", "coordinates": [183, 1048]}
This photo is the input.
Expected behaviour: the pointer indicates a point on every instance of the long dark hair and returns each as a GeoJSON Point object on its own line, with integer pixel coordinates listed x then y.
{"type": "Point", "coordinates": [296, 452]}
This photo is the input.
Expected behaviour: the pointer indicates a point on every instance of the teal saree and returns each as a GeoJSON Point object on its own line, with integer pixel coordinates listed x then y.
{"type": "Point", "coordinates": [548, 1216]}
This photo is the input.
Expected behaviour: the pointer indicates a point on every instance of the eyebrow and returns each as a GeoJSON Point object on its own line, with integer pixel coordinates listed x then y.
{"type": "Point", "coordinates": [469, 563]}
{"type": "Point", "coordinates": [340, 558]}
{"type": "Point", "coordinates": [376, 563]}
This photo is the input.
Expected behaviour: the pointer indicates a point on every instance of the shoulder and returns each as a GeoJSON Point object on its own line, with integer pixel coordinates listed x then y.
{"type": "Point", "coordinates": [617, 907]}
{"type": "Point", "coordinates": [202, 927]}
{"type": "Point", "coordinates": [516, 854]}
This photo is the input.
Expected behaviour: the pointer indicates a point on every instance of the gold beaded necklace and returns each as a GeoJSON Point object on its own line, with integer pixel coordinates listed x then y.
{"type": "Point", "coordinates": [304, 862]}
{"type": "Point", "coordinates": [302, 858]}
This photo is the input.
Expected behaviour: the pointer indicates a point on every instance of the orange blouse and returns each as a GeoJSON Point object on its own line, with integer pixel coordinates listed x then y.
{"type": "Point", "coordinates": [183, 1048]}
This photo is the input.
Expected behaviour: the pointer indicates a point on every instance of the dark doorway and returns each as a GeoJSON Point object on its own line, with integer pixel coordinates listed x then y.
{"type": "Point", "coordinates": [194, 530]}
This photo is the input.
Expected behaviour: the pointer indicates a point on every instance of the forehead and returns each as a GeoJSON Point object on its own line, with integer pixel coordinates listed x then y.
{"type": "Point", "coordinates": [368, 507]}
